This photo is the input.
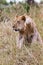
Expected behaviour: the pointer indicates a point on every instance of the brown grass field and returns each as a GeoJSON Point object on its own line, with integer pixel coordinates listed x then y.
{"type": "Point", "coordinates": [9, 54]}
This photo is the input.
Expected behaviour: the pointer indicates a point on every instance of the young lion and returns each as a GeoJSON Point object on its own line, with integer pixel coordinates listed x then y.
{"type": "Point", "coordinates": [27, 30]}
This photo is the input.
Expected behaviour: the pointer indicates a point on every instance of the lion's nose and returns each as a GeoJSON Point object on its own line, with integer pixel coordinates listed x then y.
{"type": "Point", "coordinates": [13, 26]}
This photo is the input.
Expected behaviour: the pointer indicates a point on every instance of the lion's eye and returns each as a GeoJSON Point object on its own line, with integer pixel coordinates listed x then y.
{"type": "Point", "coordinates": [18, 22]}
{"type": "Point", "coordinates": [31, 36]}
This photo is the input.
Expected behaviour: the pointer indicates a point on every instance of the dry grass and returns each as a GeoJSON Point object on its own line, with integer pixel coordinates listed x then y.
{"type": "Point", "coordinates": [9, 54]}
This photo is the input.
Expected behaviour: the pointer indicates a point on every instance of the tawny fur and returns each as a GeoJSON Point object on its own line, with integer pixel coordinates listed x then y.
{"type": "Point", "coordinates": [27, 30]}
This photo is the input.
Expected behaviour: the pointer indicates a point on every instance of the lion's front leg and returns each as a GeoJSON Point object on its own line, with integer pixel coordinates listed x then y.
{"type": "Point", "coordinates": [19, 41]}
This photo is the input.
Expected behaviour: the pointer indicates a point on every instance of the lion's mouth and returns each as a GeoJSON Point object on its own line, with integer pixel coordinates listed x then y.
{"type": "Point", "coordinates": [16, 29]}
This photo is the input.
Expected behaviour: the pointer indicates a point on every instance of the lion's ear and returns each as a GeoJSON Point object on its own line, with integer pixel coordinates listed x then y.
{"type": "Point", "coordinates": [23, 18]}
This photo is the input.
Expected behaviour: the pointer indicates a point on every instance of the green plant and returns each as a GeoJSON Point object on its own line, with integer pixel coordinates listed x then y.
{"type": "Point", "coordinates": [11, 2]}
{"type": "Point", "coordinates": [26, 7]}
{"type": "Point", "coordinates": [3, 2]}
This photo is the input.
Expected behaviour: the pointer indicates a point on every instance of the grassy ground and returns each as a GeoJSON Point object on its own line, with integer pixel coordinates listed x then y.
{"type": "Point", "coordinates": [9, 54]}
